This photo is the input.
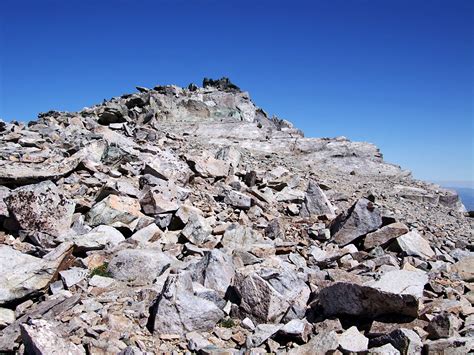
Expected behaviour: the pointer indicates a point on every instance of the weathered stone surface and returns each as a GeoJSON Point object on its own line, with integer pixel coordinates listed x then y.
{"type": "Point", "coordinates": [316, 202]}
{"type": "Point", "coordinates": [101, 237]}
{"type": "Point", "coordinates": [296, 329]}
{"type": "Point", "coordinates": [28, 275]}
{"type": "Point", "coordinates": [261, 333]}
{"type": "Point", "coordinates": [362, 218]}
{"type": "Point", "coordinates": [115, 211]}
{"type": "Point", "coordinates": [40, 337]}
{"type": "Point", "coordinates": [406, 341]}
{"type": "Point", "coordinates": [414, 244]}
{"type": "Point", "coordinates": [7, 316]}
{"type": "Point", "coordinates": [268, 294]}
{"type": "Point", "coordinates": [352, 340]}
{"type": "Point", "coordinates": [73, 276]}
{"type": "Point", "coordinates": [358, 300]}
{"type": "Point", "coordinates": [384, 235]}
{"type": "Point", "coordinates": [41, 208]}
{"type": "Point", "coordinates": [178, 311]}
{"type": "Point", "coordinates": [444, 325]}
{"type": "Point", "coordinates": [455, 345]}
{"type": "Point", "coordinates": [237, 199]}
{"type": "Point", "coordinates": [209, 167]}
{"type": "Point", "coordinates": [215, 271]}
{"type": "Point", "coordinates": [197, 230]}
{"type": "Point", "coordinates": [464, 268]}
{"type": "Point", "coordinates": [322, 343]}
{"type": "Point", "coordinates": [155, 203]}
{"type": "Point", "coordinates": [139, 266]}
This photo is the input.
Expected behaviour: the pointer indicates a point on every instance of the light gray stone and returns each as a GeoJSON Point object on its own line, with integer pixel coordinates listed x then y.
{"type": "Point", "coordinates": [139, 266]}
{"type": "Point", "coordinates": [414, 244]}
{"type": "Point", "coordinates": [316, 202]}
{"type": "Point", "coordinates": [40, 337]}
{"type": "Point", "coordinates": [353, 341]}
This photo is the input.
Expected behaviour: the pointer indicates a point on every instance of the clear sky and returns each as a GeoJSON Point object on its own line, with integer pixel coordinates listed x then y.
{"type": "Point", "coordinates": [398, 73]}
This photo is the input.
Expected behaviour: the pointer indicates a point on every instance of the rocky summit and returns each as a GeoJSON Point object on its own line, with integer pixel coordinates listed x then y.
{"type": "Point", "coordinates": [187, 220]}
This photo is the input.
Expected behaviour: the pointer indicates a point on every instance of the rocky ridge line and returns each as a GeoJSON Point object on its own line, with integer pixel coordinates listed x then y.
{"type": "Point", "coordinates": [187, 219]}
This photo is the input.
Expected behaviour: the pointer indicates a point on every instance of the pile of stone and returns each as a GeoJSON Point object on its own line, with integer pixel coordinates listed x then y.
{"type": "Point", "coordinates": [187, 220]}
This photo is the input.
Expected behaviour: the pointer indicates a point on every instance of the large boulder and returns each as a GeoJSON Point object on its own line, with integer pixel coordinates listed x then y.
{"type": "Point", "coordinates": [363, 217]}
{"type": "Point", "coordinates": [215, 271]}
{"type": "Point", "coordinates": [267, 294]}
{"type": "Point", "coordinates": [28, 275]}
{"type": "Point", "coordinates": [315, 202]}
{"type": "Point", "coordinates": [414, 244]}
{"type": "Point", "coordinates": [178, 311]}
{"type": "Point", "coordinates": [384, 235]}
{"type": "Point", "coordinates": [396, 292]}
{"type": "Point", "coordinates": [139, 266]}
{"type": "Point", "coordinates": [116, 211]}
{"type": "Point", "coordinates": [41, 208]}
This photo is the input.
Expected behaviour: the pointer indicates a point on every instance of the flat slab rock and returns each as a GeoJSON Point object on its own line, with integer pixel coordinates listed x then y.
{"type": "Point", "coordinates": [27, 274]}
{"type": "Point", "coordinates": [376, 298]}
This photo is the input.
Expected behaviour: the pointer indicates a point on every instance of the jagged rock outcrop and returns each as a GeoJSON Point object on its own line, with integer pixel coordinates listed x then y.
{"type": "Point", "coordinates": [188, 219]}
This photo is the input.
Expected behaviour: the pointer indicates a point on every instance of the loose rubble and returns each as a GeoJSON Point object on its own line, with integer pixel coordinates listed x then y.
{"type": "Point", "coordinates": [188, 220]}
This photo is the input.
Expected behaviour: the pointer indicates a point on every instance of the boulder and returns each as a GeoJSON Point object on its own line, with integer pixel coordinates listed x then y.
{"type": "Point", "coordinates": [41, 208]}
{"type": "Point", "coordinates": [139, 266]}
{"type": "Point", "coordinates": [28, 275]}
{"type": "Point", "coordinates": [208, 166]}
{"type": "Point", "coordinates": [323, 343]}
{"type": "Point", "coordinates": [237, 199]}
{"type": "Point", "coordinates": [178, 311]}
{"type": "Point", "coordinates": [115, 211]}
{"type": "Point", "coordinates": [464, 268]}
{"type": "Point", "coordinates": [261, 333]}
{"type": "Point", "coordinates": [363, 217]}
{"type": "Point", "coordinates": [384, 235]}
{"type": "Point", "coordinates": [215, 271]}
{"type": "Point", "coordinates": [7, 317]}
{"type": "Point", "coordinates": [406, 341]}
{"type": "Point", "coordinates": [101, 237]}
{"type": "Point", "coordinates": [315, 202]}
{"type": "Point", "coordinates": [397, 292]}
{"type": "Point", "coordinates": [154, 203]}
{"type": "Point", "coordinates": [353, 341]}
{"type": "Point", "coordinates": [40, 337]}
{"type": "Point", "coordinates": [197, 230]}
{"type": "Point", "coordinates": [414, 244]}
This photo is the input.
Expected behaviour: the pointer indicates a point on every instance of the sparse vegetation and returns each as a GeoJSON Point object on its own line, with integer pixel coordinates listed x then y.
{"type": "Point", "coordinates": [101, 270]}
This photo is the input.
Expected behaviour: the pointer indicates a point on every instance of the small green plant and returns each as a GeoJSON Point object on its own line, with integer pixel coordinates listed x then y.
{"type": "Point", "coordinates": [101, 270]}
{"type": "Point", "coordinates": [227, 323]}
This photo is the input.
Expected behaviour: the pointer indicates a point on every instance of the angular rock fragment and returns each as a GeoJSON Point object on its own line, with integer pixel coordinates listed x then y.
{"type": "Point", "coordinates": [464, 268]}
{"type": "Point", "coordinates": [178, 311]}
{"type": "Point", "coordinates": [101, 237]}
{"type": "Point", "coordinates": [115, 211]}
{"type": "Point", "coordinates": [268, 294]}
{"type": "Point", "coordinates": [73, 276]}
{"type": "Point", "coordinates": [215, 271]}
{"type": "Point", "coordinates": [209, 166]}
{"type": "Point", "coordinates": [322, 343]}
{"type": "Point", "coordinates": [41, 208]}
{"type": "Point", "coordinates": [40, 337]}
{"type": "Point", "coordinates": [316, 202]}
{"type": "Point", "coordinates": [443, 325]}
{"type": "Point", "coordinates": [237, 199]}
{"type": "Point", "coordinates": [155, 203]}
{"type": "Point", "coordinates": [353, 341]}
{"type": "Point", "coordinates": [197, 230]}
{"type": "Point", "coordinates": [138, 266]}
{"type": "Point", "coordinates": [406, 341]}
{"type": "Point", "coordinates": [376, 298]}
{"type": "Point", "coordinates": [415, 245]}
{"type": "Point", "coordinates": [28, 275]}
{"type": "Point", "coordinates": [7, 316]}
{"type": "Point", "coordinates": [363, 217]}
{"type": "Point", "coordinates": [384, 235]}
{"type": "Point", "coordinates": [297, 330]}
{"type": "Point", "coordinates": [261, 333]}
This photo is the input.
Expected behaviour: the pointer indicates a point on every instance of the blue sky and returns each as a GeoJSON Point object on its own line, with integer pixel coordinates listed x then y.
{"type": "Point", "coordinates": [397, 73]}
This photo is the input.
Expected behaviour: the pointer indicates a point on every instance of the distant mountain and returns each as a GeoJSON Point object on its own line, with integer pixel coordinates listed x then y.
{"type": "Point", "coordinates": [467, 196]}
